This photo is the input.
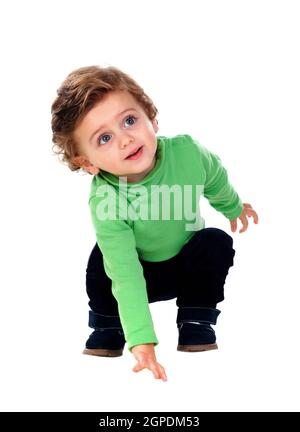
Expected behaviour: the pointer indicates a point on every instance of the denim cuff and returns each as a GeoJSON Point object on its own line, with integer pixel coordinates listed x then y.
{"type": "Point", "coordinates": [197, 314]}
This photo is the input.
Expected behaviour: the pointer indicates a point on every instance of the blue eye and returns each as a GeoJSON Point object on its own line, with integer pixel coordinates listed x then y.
{"type": "Point", "coordinates": [131, 117]}
{"type": "Point", "coordinates": [103, 139]}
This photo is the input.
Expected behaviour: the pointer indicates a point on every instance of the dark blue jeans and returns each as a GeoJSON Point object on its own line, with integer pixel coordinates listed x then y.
{"type": "Point", "coordinates": [195, 276]}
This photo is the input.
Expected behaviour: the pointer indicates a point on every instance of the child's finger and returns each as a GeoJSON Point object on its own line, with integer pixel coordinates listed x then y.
{"type": "Point", "coordinates": [163, 374]}
{"type": "Point", "coordinates": [138, 367]}
{"type": "Point", "coordinates": [155, 369]}
{"type": "Point", "coordinates": [253, 214]}
{"type": "Point", "coordinates": [244, 221]}
{"type": "Point", "coordinates": [156, 374]}
{"type": "Point", "coordinates": [233, 224]}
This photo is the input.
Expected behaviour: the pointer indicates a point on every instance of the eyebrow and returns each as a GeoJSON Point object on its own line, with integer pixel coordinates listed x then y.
{"type": "Point", "coordinates": [103, 126]}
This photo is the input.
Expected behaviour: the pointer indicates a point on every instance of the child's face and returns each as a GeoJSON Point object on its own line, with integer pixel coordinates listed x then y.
{"type": "Point", "coordinates": [120, 135]}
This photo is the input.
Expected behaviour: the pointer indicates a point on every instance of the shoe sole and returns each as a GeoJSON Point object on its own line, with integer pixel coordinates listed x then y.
{"type": "Point", "coordinates": [101, 352]}
{"type": "Point", "coordinates": [197, 348]}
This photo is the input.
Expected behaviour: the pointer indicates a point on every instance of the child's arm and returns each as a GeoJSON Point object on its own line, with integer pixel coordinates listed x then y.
{"type": "Point", "coordinates": [217, 188]}
{"type": "Point", "coordinates": [117, 243]}
{"type": "Point", "coordinates": [220, 193]}
{"type": "Point", "coordinates": [146, 359]}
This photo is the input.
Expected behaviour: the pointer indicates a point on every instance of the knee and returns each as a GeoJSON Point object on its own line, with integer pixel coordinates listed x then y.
{"type": "Point", "coordinates": [218, 245]}
{"type": "Point", "coordinates": [211, 246]}
{"type": "Point", "coordinates": [215, 236]}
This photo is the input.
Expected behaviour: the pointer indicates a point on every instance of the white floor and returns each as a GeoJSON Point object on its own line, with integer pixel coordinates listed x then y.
{"type": "Point", "coordinates": [256, 366]}
{"type": "Point", "coordinates": [231, 80]}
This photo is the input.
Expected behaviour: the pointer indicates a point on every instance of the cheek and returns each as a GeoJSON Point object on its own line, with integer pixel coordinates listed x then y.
{"type": "Point", "coordinates": [112, 157]}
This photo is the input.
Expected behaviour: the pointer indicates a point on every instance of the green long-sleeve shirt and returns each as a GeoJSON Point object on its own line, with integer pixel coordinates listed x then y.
{"type": "Point", "coordinates": [153, 219]}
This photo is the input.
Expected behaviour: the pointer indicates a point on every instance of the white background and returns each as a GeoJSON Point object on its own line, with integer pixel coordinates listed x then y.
{"type": "Point", "coordinates": [225, 72]}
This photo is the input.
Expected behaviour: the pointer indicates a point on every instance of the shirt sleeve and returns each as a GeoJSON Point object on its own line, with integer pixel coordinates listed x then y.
{"type": "Point", "coordinates": [116, 241]}
{"type": "Point", "coordinates": [217, 188]}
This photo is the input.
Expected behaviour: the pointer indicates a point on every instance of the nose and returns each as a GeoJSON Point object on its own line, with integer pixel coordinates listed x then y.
{"type": "Point", "coordinates": [125, 141]}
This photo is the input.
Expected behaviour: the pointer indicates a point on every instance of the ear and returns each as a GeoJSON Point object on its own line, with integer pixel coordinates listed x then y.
{"type": "Point", "coordinates": [155, 125]}
{"type": "Point", "coordinates": [86, 165]}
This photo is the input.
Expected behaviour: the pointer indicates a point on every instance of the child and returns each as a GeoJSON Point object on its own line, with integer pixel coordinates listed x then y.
{"type": "Point", "coordinates": [152, 244]}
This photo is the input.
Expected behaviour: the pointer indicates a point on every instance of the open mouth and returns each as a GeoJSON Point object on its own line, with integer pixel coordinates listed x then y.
{"type": "Point", "coordinates": [135, 155]}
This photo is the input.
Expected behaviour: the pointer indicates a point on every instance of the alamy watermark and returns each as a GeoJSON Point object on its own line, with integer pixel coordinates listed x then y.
{"type": "Point", "coordinates": [161, 202]}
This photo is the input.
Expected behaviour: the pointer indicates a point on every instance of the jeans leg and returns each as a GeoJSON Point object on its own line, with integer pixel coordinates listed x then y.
{"type": "Point", "coordinates": [205, 262]}
{"type": "Point", "coordinates": [161, 282]}
{"type": "Point", "coordinates": [161, 279]}
{"type": "Point", "coordinates": [107, 339]}
{"type": "Point", "coordinates": [98, 286]}
{"type": "Point", "coordinates": [104, 317]}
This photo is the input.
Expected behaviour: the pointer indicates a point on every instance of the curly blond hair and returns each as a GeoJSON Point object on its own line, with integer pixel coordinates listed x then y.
{"type": "Point", "coordinates": [78, 94]}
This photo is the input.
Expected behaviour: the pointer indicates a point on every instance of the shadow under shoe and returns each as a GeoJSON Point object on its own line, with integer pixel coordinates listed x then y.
{"type": "Point", "coordinates": [107, 339]}
{"type": "Point", "coordinates": [195, 332]}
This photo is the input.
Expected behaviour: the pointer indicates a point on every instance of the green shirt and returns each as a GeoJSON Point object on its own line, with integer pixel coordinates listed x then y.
{"type": "Point", "coordinates": [153, 219]}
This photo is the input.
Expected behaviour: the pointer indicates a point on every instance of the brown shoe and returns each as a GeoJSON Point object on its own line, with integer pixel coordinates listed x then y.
{"type": "Point", "coordinates": [102, 352]}
{"type": "Point", "coordinates": [197, 348]}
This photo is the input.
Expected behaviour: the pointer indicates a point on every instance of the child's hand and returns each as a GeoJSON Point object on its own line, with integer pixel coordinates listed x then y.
{"type": "Point", "coordinates": [247, 212]}
{"type": "Point", "coordinates": [145, 356]}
